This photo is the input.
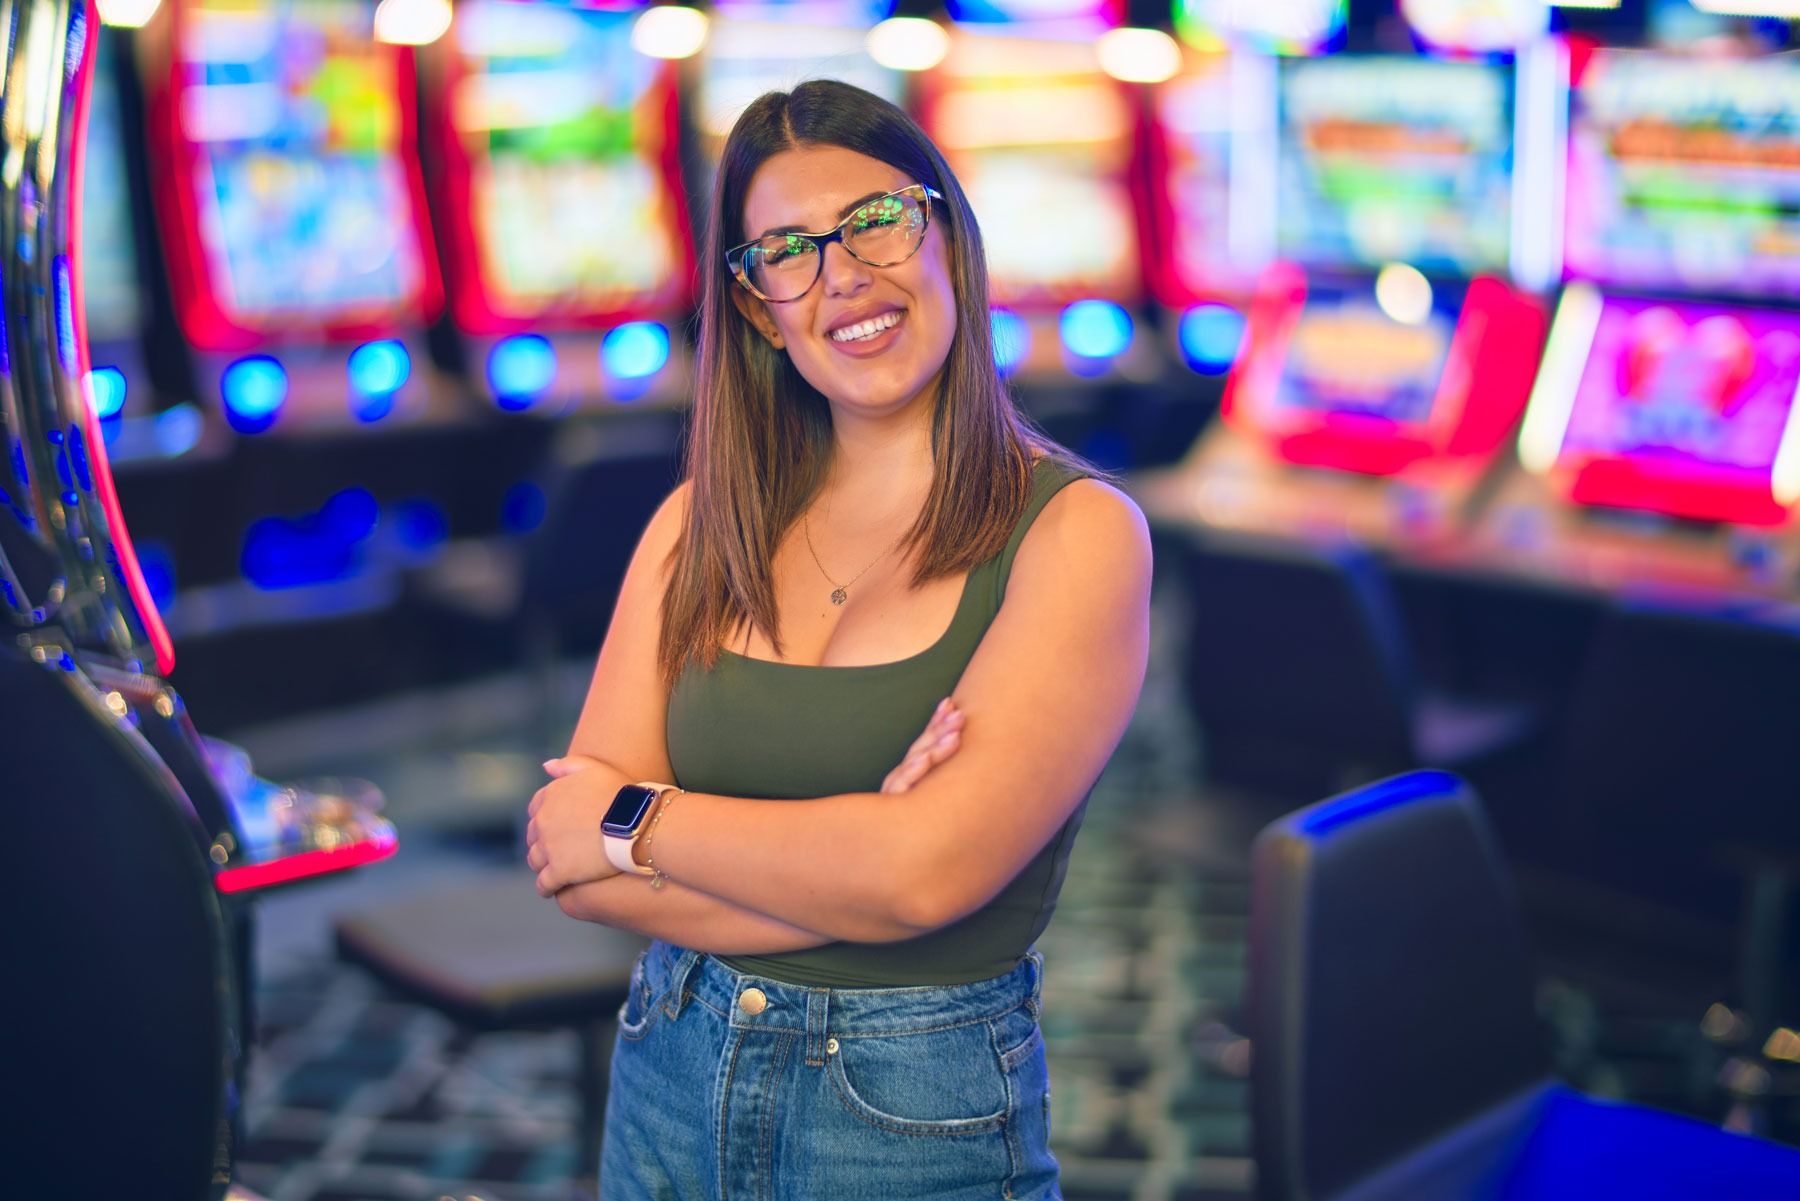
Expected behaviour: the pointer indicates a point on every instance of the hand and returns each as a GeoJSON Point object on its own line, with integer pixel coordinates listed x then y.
{"type": "Point", "coordinates": [562, 839]}
{"type": "Point", "coordinates": [942, 737]}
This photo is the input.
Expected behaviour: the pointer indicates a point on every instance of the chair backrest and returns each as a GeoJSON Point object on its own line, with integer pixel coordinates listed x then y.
{"type": "Point", "coordinates": [1300, 649]}
{"type": "Point", "coordinates": [118, 971]}
{"type": "Point", "coordinates": [1391, 987]}
{"type": "Point", "coordinates": [595, 511]}
{"type": "Point", "coordinates": [1680, 738]}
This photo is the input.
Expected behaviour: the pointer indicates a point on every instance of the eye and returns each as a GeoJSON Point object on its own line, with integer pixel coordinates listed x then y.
{"type": "Point", "coordinates": [881, 214]}
{"type": "Point", "coordinates": [778, 251]}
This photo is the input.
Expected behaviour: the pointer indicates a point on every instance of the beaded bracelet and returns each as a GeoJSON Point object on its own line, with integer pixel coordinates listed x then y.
{"type": "Point", "coordinates": [657, 876]}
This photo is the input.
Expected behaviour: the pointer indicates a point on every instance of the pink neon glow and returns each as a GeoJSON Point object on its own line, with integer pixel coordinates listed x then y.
{"type": "Point", "coordinates": [1681, 409]}
{"type": "Point", "coordinates": [305, 865]}
{"type": "Point", "coordinates": [99, 467]}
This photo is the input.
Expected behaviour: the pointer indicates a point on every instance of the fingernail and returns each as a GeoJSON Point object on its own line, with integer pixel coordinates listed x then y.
{"type": "Point", "coordinates": [551, 764]}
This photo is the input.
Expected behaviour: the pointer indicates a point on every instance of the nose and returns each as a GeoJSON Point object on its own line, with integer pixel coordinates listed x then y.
{"type": "Point", "coordinates": [843, 273]}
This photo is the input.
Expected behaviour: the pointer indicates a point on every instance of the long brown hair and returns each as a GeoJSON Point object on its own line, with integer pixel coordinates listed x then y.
{"type": "Point", "coordinates": [760, 435]}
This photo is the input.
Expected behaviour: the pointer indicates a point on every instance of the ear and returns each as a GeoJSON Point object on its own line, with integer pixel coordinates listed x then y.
{"type": "Point", "coordinates": [756, 312]}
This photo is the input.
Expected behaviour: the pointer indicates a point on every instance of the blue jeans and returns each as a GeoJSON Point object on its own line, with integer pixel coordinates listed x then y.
{"type": "Point", "coordinates": [740, 1088]}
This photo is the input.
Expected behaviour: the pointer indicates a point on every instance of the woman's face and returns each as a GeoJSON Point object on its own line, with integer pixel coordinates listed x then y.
{"type": "Point", "coordinates": [812, 189]}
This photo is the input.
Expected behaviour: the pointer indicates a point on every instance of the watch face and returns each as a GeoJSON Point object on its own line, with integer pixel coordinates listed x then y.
{"type": "Point", "coordinates": [627, 810]}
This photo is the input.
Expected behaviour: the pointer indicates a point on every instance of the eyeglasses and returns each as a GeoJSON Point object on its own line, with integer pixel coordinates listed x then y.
{"type": "Point", "coordinates": [882, 233]}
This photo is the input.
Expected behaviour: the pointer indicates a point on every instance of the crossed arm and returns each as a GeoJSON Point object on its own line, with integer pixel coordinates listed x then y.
{"type": "Point", "coordinates": [1035, 716]}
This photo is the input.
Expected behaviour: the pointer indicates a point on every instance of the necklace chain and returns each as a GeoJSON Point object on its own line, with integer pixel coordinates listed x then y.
{"type": "Point", "coordinates": [841, 592]}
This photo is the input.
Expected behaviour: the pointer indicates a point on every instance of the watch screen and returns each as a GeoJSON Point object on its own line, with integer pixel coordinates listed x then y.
{"type": "Point", "coordinates": [628, 809]}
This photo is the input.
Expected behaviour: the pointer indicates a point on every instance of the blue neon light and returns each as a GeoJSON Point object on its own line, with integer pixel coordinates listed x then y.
{"type": "Point", "coordinates": [523, 507]}
{"type": "Point", "coordinates": [282, 552]}
{"type": "Point", "coordinates": [158, 566]}
{"type": "Point", "coordinates": [1095, 329]}
{"type": "Point", "coordinates": [635, 350]}
{"type": "Point", "coordinates": [1211, 336]}
{"type": "Point", "coordinates": [1400, 790]}
{"type": "Point", "coordinates": [106, 391]}
{"type": "Point", "coordinates": [1012, 339]}
{"type": "Point", "coordinates": [421, 526]}
{"type": "Point", "coordinates": [178, 430]}
{"type": "Point", "coordinates": [379, 368]}
{"type": "Point", "coordinates": [65, 315]}
{"type": "Point", "coordinates": [520, 369]}
{"type": "Point", "coordinates": [254, 389]}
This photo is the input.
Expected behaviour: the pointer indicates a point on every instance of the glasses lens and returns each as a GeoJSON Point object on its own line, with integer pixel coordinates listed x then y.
{"type": "Point", "coordinates": [782, 266]}
{"type": "Point", "coordinates": [886, 231]}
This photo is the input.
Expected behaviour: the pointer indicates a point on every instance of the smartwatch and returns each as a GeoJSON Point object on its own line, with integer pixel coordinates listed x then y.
{"type": "Point", "coordinates": [624, 819]}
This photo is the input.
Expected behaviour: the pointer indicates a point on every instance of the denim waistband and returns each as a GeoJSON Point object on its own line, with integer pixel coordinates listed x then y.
{"type": "Point", "coordinates": [681, 977]}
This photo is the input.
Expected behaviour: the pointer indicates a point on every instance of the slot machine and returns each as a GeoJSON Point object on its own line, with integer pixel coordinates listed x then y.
{"type": "Point", "coordinates": [1045, 143]}
{"type": "Point", "coordinates": [1661, 448]}
{"type": "Point", "coordinates": [757, 46]}
{"type": "Point", "coordinates": [567, 251]}
{"type": "Point", "coordinates": [1391, 345]}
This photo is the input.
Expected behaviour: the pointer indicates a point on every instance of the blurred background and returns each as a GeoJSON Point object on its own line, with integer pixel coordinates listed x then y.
{"type": "Point", "coordinates": [1451, 346]}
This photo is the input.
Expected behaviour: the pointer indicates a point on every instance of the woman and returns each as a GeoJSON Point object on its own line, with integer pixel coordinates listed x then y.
{"type": "Point", "coordinates": [841, 1000]}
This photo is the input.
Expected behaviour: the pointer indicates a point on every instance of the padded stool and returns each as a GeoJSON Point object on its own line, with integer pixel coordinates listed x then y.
{"type": "Point", "coordinates": [490, 954]}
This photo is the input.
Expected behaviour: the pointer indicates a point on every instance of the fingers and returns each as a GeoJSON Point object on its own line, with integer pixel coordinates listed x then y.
{"type": "Point", "coordinates": [916, 765]}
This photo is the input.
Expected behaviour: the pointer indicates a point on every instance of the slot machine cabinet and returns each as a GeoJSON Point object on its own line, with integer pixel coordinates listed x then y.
{"type": "Point", "coordinates": [555, 152]}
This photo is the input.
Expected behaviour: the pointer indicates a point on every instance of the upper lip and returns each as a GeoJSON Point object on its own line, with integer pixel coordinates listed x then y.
{"type": "Point", "coordinates": [858, 315]}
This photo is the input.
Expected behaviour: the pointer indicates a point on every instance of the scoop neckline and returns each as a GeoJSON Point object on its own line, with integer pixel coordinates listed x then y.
{"type": "Point", "coordinates": [962, 602]}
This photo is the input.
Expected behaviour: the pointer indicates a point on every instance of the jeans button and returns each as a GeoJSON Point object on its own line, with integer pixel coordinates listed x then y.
{"type": "Point", "coordinates": [831, 1046]}
{"type": "Point", "coordinates": [753, 1001]}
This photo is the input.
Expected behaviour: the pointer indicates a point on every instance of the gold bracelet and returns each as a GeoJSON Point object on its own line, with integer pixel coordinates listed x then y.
{"type": "Point", "coordinates": [657, 876]}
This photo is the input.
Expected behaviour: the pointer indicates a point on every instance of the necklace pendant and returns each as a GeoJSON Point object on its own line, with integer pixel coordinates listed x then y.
{"type": "Point", "coordinates": [839, 596]}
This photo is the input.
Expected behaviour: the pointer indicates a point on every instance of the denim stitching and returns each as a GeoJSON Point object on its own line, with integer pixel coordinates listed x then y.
{"type": "Point", "coordinates": [765, 1178]}
{"type": "Point", "coordinates": [724, 1112]}
{"type": "Point", "coordinates": [864, 1112]}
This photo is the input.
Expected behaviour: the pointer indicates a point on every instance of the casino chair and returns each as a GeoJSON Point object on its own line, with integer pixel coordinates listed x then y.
{"type": "Point", "coordinates": [1679, 783]}
{"type": "Point", "coordinates": [1396, 1051]}
{"type": "Point", "coordinates": [121, 1034]}
{"type": "Point", "coordinates": [1300, 671]}
{"type": "Point", "coordinates": [490, 954]}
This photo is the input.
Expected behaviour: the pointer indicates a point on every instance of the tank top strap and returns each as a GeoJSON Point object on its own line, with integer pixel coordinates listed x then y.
{"type": "Point", "coordinates": [1048, 478]}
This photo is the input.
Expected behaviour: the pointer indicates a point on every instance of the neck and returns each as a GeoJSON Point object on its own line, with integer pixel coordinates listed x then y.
{"type": "Point", "coordinates": [883, 464]}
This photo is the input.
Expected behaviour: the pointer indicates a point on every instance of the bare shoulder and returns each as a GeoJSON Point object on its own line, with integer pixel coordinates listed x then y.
{"type": "Point", "coordinates": [1087, 524]}
{"type": "Point", "coordinates": [666, 524]}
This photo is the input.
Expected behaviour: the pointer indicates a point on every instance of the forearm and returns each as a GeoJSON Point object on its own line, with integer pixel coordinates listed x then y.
{"type": "Point", "coordinates": [684, 916]}
{"type": "Point", "coordinates": [854, 867]}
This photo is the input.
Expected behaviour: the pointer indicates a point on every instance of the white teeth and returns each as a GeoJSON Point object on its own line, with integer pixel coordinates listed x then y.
{"type": "Point", "coordinates": [862, 331]}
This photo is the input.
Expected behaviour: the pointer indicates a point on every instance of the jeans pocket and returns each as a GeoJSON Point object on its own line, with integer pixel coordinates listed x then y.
{"type": "Point", "coordinates": [642, 1002]}
{"type": "Point", "coordinates": [943, 1082]}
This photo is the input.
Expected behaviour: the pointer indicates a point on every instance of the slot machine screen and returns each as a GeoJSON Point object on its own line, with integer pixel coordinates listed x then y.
{"type": "Point", "coordinates": [109, 279]}
{"type": "Point", "coordinates": [564, 137]}
{"type": "Point", "coordinates": [1390, 159]}
{"type": "Point", "coordinates": [292, 133]}
{"type": "Point", "coordinates": [1042, 143]}
{"type": "Point", "coordinates": [1348, 359]}
{"type": "Point", "coordinates": [756, 46]}
{"type": "Point", "coordinates": [1684, 173]}
{"type": "Point", "coordinates": [1672, 406]}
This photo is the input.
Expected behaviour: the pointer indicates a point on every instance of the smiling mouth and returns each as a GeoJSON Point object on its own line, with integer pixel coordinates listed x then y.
{"type": "Point", "coordinates": [862, 331]}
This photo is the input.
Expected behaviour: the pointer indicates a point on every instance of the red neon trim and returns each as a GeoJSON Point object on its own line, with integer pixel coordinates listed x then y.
{"type": "Point", "coordinates": [305, 865]}
{"type": "Point", "coordinates": [475, 304]}
{"type": "Point", "coordinates": [1165, 230]}
{"type": "Point", "coordinates": [1274, 308]}
{"type": "Point", "coordinates": [196, 289]}
{"type": "Point", "coordinates": [1703, 493]}
{"type": "Point", "coordinates": [1493, 363]}
{"type": "Point", "coordinates": [99, 466]}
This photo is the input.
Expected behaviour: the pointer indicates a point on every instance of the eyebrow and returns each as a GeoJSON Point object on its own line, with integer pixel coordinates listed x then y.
{"type": "Point", "coordinates": [843, 215]}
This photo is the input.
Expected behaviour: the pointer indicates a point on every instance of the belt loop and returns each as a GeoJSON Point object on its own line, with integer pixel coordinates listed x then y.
{"type": "Point", "coordinates": [678, 980]}
{"type": "Point", "coordinates": [818, 1015]}
{"type": "Point", "coordinates": [1036, 959]}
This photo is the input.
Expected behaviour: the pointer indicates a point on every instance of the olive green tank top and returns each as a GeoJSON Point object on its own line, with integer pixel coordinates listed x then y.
{"type": "Point", "coordinates": [781, 731]}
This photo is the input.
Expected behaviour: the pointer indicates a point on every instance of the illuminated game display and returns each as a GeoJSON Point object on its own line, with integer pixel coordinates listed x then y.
{"type": "Point", "coordinates": [1041, 139]}
{"type": "Point", "coordinates": [757, 46]}
{"type": "Point", "coordinates": [1684, 173]}
{"type": "Point", "coordinates": [1476, 26]}
{"type": "Point", "coordinates": [293, 209]}
{"type": "Point", "coordinates": [1680, 408]}
{"type": "Point", "coordinates": [560, 145]}
{"type": "Point", "coordinates": [110, 285]}
{"type": "Point", "coordinates": [1386, 159]}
